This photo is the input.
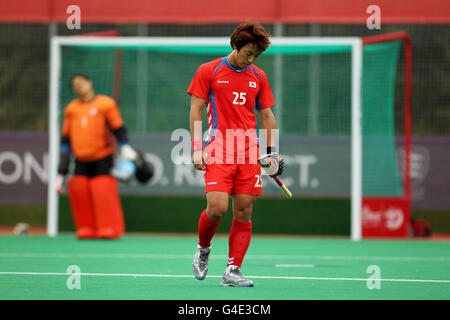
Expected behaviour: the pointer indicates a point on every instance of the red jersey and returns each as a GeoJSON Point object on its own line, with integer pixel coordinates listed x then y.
{"type": "Point", "coordinates": [232, 95]}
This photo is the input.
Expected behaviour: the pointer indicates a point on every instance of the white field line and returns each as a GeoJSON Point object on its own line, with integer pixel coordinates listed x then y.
{"type": "Point", "coordinates": [213, 256]}
{"type": "Point", "coordinates": [135, 275]}
{"type": "Point", "coordinates": [295, 266]}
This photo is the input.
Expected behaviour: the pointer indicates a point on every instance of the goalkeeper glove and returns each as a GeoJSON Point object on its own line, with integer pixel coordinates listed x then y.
{"type": "Point", "coordinates": [127, 153]}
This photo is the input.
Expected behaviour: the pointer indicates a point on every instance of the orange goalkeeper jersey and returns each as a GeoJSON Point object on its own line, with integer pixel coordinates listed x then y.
{"type": "Point", "coordinates": [88, 124]}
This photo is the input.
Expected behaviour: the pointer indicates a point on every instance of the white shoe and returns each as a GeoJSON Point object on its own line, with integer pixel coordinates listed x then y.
{"type": "Point", "coordinates": [232, 277]}
{"type": "Point", "coordinates": [200, 264]}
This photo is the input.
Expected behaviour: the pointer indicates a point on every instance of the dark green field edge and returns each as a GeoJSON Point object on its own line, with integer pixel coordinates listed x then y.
{"type": "Point", "coordinates": [180, 214]}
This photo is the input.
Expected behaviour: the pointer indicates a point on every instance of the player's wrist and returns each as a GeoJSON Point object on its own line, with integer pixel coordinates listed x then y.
{"type": "Point", "coordinates": [271, 150]}
{"type": "Point", "coordinates": [197, 145]}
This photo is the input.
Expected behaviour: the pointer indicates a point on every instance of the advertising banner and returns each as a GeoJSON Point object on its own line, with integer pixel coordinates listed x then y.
{"type": "Point", "coordinates": [315, 167]}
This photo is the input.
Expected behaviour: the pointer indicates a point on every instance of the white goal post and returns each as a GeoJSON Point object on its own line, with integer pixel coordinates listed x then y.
{"type": "Point", "coordinates": [54, 104]}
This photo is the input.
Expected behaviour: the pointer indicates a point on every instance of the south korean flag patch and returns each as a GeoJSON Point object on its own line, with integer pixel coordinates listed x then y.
{"type": "Point", "coordinates": [252, 84]}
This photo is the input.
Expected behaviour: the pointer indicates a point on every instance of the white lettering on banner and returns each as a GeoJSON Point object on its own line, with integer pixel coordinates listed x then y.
{"type": "Point", "coordinates": [420, 159]}
{"type": "Point", "coordinates": [304, 162]}
{"type": "Point", "coordinates": [22, 167]}
{"type": "Point", "coordinates": [14, 176]}
{"type": "Point", "coordinates": [394, 218]}
{"type": "Point", "coordinates": [187, 172]}
{"type": "Point", "coordinates": [31, 163]}
{"type": "Point", "coordinates": [371, 219]}
{"type": "Point", "coordinates": [420, 163]}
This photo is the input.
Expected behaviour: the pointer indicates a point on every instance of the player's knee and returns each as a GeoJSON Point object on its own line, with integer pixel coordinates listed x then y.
{"type": "Point", "coordinates": [243, 214]}
{"type": "Point", "coordinates": [216, 211]}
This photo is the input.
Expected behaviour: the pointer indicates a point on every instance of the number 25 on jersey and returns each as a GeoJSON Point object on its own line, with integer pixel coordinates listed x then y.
{"type": "Point", "coordinates": [239, 98]}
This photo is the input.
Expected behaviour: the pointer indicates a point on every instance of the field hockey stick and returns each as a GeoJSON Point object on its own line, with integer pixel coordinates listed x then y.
{"type": "Point", "coordinates": [266, 165]}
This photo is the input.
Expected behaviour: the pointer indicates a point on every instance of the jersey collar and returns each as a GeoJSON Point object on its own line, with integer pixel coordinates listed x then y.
{"type": "Point", "coordinates": [225, 59]}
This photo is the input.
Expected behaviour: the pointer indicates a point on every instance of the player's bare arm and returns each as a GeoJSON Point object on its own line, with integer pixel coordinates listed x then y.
{"type": "Point", "coordinates": [268, 123]}
{"type": "Point", "coordinates": [195, 116]}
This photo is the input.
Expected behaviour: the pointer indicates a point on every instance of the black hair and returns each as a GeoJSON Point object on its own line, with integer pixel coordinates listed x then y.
{"type": "Point", "coordinates": [250, 32]}
{"type": "Point", "coordinates": [84, 76]}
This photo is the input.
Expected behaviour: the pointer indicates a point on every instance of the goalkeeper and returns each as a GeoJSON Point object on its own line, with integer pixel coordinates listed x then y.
{"type": "Point", "coordinates": [92, 190]}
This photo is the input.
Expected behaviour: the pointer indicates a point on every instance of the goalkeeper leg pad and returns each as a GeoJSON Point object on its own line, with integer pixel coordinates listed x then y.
{"type": "Point", "coordinates": [81, 205]}
{"type": "Point", "coordinates": [107, 207]}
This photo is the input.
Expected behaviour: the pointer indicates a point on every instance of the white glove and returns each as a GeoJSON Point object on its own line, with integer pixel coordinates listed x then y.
{"type": "Point", "coordinates": [272, 164]}
{"type": "Point", "coordinates": [277, 164]}
{"type": "Point", "coordinates": [127, 153]}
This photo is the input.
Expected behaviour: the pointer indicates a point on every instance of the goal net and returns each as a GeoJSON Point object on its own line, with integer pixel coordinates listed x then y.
{"type": "Point", "coordinates": [334, 108]}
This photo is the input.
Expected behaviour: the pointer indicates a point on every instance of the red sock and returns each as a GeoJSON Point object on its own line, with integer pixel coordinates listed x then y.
{"type": "Point", "coordinates": [239, 240]}
{"type": "Point", "coordinates": [206, 230]}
